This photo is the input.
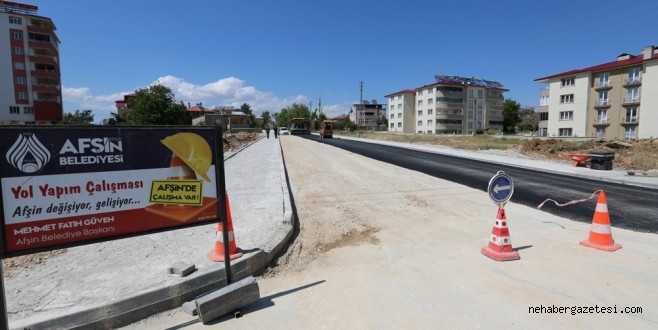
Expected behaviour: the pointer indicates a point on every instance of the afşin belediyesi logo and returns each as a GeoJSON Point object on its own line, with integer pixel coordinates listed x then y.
{"type": "Point", "coordinates": [27, 154]}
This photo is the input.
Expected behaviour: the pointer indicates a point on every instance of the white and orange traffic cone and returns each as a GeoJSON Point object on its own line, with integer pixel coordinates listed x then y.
{"type": "Point", "coordinates": [235, 252]}
{"type": "Point", "coordinates": [178, 170]}
{"type": "Point", "coordinates": [600, 234]}
{"type": "Point", "coordinates": [500, 244]}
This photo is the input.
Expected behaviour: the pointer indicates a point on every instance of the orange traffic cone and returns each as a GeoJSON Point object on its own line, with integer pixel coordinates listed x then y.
{"type": "Point", "coordinates": [600, 235]}
{"type": "Point", "coordinates": [218, 253]}
{"type": "Point", "coordinates": [500, 245]}
{"type": "Point", "coordinates": [178, 170]}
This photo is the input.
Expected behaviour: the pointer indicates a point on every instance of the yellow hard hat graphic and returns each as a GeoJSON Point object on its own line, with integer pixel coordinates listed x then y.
{"type": "Point", "coordinates": [193, 150]}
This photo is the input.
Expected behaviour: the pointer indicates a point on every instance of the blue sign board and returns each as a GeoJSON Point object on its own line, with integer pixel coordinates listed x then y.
{"type": "Point", "coordinates": [501, 188]}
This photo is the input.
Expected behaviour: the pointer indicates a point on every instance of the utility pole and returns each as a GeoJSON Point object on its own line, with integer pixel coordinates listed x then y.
{"type": "Point", "coordinates": [361, 98]}
{"type": "Point", "coordinates": [475, 109]}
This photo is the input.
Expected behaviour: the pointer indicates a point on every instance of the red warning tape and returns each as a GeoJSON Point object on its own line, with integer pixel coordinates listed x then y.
{"type": "Point", "coordinates": [570, 202]}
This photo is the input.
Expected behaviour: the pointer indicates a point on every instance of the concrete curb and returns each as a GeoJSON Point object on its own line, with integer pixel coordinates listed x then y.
{"type": "Point", "coordinates": [133, 309]}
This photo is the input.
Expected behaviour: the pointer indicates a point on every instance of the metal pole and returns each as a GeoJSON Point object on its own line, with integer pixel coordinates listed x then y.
{"type": "Point", "coordinates": [475, 106]}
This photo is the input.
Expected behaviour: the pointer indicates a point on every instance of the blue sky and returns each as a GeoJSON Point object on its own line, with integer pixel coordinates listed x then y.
{"type": "Point", "coordinates": [270, 54]}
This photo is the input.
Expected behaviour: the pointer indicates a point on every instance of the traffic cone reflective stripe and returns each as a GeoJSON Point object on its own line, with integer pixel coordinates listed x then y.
{"type": "Point", "coordinates": [500, 244]}
{"type": "Point", "coordinates": [600, 234]}
{"type": "Point", "coordinates": [178, 170]}
{"type": "Point", "coordinates": [217, 254]}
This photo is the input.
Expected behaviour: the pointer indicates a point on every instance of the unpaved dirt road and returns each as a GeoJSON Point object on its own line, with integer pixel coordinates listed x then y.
{"type": "Point", "coordinates": [381, 247]}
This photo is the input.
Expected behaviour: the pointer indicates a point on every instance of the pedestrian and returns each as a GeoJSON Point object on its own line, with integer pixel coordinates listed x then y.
{"type": "Point", "coordinates": [267, 131]}
{"type": "Point", "coordinates": [276, 132]}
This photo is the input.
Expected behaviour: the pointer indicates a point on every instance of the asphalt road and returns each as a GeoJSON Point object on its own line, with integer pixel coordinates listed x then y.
{"type": "Point", "coordinates": [631, 207]}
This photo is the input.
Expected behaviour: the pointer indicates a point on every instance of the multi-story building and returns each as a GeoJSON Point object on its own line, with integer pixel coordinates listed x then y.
{"type": "Point", "coordinates": [30, 84]}
{"type": "Point", "coordinates": [604, 100]}
{"type": "Point", "coordinates": [450, 105]}
{"type": "Point", "coordinates": [367, 114]}
{"type": "Point", "coordinates": [401, 107]}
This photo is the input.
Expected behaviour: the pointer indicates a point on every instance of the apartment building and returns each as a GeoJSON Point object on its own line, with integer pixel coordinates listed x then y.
{"type": "Point", "coordinates": [401, 107]}
{"type": "Point", "coordinates": [450, 105]}
{"type": "Point", "coordinates": [30, 84]}
{"type": "Point", "coordinates": [366, 114]}
{"type": "Point", "coordinates": [606, 100]}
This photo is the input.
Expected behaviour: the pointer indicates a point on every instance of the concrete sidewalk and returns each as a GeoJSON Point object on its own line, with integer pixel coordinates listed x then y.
{"type": "Point", "coordinates": [119, 282]}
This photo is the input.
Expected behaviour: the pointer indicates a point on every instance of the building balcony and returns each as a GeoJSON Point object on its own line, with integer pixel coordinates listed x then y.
{"type": "Point", "coordinates": [452, 114]}
{"type": "Point", "coordinates": [632, 81]}
{"type": "Point", "coordinates": [41, 44]}
{"type": "Point", "coordinates": [43, 59]}
{"type": "Point", "coordinates": [602, 103]}
{"type": "Point", "coordinates": [53, 89]}
{"type": "Point", "coordinates": [631, 100]}
{"type": "Point", "coordinates": [46, 74]}
{"type": "Point", "coordinates": [39, 29]}
{"type": "Point", "coordinates": [602, 85]}
{"type": "Point", "coordinates": [601, 122]}
{"type": "Point", "coordinates": [630, 120]}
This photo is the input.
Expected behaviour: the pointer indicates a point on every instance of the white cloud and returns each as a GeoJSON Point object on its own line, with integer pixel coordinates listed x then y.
{"type": "Point", "coordinates": [226, 91]}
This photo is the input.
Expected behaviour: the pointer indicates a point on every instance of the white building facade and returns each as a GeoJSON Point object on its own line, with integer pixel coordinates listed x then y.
{"type": "Point", "coordinates": [614, 100]}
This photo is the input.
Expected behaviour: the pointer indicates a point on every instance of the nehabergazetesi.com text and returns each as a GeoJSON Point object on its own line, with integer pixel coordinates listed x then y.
{"type": "Point", "coordinates": [573, 310]}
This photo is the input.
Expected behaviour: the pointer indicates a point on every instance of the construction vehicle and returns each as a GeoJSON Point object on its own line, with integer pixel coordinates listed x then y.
{"type": "Point", "coordinates": [300, 125]}
{"type": "Point", "coordinates": [327, 129]}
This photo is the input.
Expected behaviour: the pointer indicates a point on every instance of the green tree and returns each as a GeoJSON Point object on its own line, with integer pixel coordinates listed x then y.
{"type": "Point", "coordinates": [529, 119]}
{"type": "Point", "coordinates": [510, 115]}
{"type": "Point", "coordinates": [78, 118]}
{"type": "Point", "coordinates": [155, 105]}
{"type": "Point", "coordinates": [266, 118]}
{"type": "Point", "coordinates": [251, 118]}
{"type": "Point", "coordinates": [296, 110]}
{"type": "Point", "coordinates": [115, 120]}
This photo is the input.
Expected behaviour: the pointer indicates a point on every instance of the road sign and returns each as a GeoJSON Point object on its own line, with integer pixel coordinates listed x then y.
{"type": "Point", "coordinates": [501, 188]}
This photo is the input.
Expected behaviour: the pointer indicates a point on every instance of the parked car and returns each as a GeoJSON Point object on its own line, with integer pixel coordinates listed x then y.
{"type": "Point", "coordinates": [283, 131]}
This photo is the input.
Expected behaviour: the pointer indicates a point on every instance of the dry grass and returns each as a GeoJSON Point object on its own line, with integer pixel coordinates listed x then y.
{"type": "Point", "coordinates": [639, 155]}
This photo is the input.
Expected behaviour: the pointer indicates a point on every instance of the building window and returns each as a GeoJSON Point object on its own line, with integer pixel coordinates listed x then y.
{"type": "Point", "coordinates": [28, 110]}
{"type": "Point", "coordinates": [480, 93]}
{"type": "Point", "coordinates": [567, 82]}
{"type": "Point", "coordinates": [392, 116]}
{"type": "Point", "coordinates": [392, 125]}
{"type": "Point", "coordinates": [634, 75]}
{"type": "Point", "coordinates": [20, 80]}
{"type": "Point", "coordinates": [603, 98]}
{"type": "Point", "coordinates": [600, 132]}
{"type": "Point", "coordinates": [566, 115]}
{"type": "Point", "coordinates": [631, 115]}
{"type": "Point", "coordinates": [429, 101]}
{"type": "Point", "coordinates": [568, 98]}
{"type": "Point", "coordinates": [420, 112]}
{"type": "Point", "coordinates": [602, 116]}
{"type": "Point", "coordinates": [392, 107]}
{"type": "Point", "coordinates": [630, 133]}
{"type": "Point", "coordinates": [399, 125]}
{"type": "Point", "coordinates": [14, 110]}
{"type": "Point", "coordinates": [399, 115]}
{"type": "Point", "coordinates": [420, 123]}
{"type": "Point", "coordinates": [430, 111]}
{"type": "Point", "coordinates": [420, 102]}
{"type": "Point", "coordinates": [543, 101]}
{"type": "Point", "coordinates": [429, 122]}
{"type": "Point", "coordinates": [18, 50]}
{"type": "Point", "coordinates": [15, 20]}
{"type": "Point", "coordinates": [633, 95]}
{"type": "Point", "coordinates": [449, 100]}
{"type": "Point", "coordinates": [19, 65]}
{"type": "Point", "coordinates": [449, 89]}
{"type": "Point", "coordinates": [16, 35]}
{"type": "Point", "coordinates": [543, 116]}
{"type": "Point", "coordinates": [429, 132]}
{"type": "Point", "coordinates": [21, 95]}
{"type": "Point", "coordinates": [399, 106]}
{"type": "Point", "coordinates": [30, 123]}
{"type": "Point", "coordinates": [604, 80]}
{"type": "Point", "coordinates": [564, 132]}
{"type": "Point", "coordinates": [543, 131]}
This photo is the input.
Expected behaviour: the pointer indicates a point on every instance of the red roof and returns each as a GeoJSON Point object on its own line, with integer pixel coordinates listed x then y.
{"type": "Point", "coordinates": [199, 109]}
{"type": "Point", "coordinates": [406, 91]}
{"type": "Point", "coordinates": [634, 60]}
